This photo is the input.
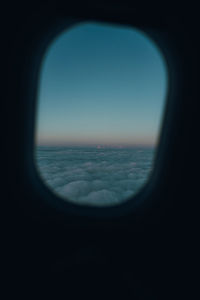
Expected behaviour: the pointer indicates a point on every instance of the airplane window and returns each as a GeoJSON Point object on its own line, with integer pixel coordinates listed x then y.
{"type": "Point", "coordinates": [100, 104]}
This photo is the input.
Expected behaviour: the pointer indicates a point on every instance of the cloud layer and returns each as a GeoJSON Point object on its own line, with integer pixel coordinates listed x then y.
{"type": "Point", "coordinates": [94, 176]}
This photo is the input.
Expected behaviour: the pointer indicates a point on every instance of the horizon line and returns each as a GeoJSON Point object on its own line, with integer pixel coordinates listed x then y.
{"type": "Point", "coordinates": [98, 146]}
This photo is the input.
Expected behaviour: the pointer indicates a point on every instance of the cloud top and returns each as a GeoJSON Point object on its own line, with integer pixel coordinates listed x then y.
{"type": "Point", "coordinates": [97, 177]}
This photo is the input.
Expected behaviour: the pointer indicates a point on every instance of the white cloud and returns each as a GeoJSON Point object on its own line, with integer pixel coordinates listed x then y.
{"type": "Point", "coordinates": [93, 177]}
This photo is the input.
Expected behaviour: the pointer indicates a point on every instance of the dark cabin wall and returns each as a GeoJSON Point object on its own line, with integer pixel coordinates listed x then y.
{"type": "Point", "coordinates": [150, 254]}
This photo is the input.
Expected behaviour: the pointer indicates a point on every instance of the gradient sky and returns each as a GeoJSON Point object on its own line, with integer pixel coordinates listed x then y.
{"type": "Point", "coordinates": [101, 84]}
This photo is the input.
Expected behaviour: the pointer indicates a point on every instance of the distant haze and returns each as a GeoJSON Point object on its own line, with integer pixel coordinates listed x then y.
{"type": "Point", "coordinates": [101, 86]}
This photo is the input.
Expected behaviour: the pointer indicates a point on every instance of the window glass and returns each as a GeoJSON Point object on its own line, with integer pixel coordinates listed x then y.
{"type": "Point", "coordinates": [100, 105]}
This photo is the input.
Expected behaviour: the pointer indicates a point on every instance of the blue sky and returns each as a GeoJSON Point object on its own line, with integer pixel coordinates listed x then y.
{"type": "Point", "coordinates": [101, 84]}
